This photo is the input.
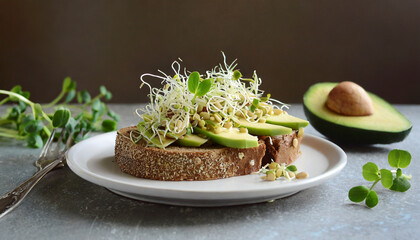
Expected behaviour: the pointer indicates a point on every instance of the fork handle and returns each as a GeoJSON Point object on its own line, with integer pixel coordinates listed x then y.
{"type": "Point", "coordinates": [12, 199]}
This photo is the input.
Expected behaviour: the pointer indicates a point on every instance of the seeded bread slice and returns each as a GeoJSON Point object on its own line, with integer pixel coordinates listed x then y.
{"type": "Point", "coordinates": [282, 148]}
{"type": "Point", "coordinates": [184, 163]}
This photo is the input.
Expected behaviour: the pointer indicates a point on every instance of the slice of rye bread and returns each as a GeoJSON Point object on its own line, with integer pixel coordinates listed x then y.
{"type": "Point", "coordinates": [281, 149]}
{"type": "Point", "coordinates": [184, 163]}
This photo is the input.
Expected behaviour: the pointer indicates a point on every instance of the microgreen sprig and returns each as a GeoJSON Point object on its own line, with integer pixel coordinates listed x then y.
{"type": "Point", "coordinates": [197, 87]}
{"type": "Point", "coordinates": [35, 126]}
{"type": "Point", "coordinates": [391, 179]}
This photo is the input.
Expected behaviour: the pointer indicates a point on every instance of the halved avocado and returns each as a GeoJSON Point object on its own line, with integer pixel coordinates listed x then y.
{"type": "Point", "coordinates": [385, 125]}
{"type": "Point", "coordinates": [263, 129]}
{"type": "Point", "coordinates": [230, 138]}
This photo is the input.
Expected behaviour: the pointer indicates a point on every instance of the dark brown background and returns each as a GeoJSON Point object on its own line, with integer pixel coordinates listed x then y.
{"type": "Point", "coordinates": [292, 44]}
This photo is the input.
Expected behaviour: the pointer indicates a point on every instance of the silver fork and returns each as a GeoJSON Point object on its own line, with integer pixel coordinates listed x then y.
{"type": "Point", "coordinates": [49, 159]}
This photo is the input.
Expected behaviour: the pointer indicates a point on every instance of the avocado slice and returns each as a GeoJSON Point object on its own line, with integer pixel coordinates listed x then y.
{"type": "Point", "coordinates": [191, 140]}
{"type": "Point", "coordinates": [385, 125]}
{"type": "Point", "coordinates": [155, 140]}
{"type": "Point", "coordinates": [230, 138]}
{"type": "Point", "coordinates": [287, 120]}
{"type": "Point", "coordinates": [263, 129]}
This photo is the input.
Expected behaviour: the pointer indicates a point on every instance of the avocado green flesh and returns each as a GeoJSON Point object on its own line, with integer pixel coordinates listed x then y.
{"type": "Point", "coordinates": [385, 125]}
{"type": "Point", "coordinates": [287, 120]}
{"type": "Point", "coordinates": [230, 138]}
{"type": "Point", "coordinates": [263, 129]}
{"type": "Point", "coordinates": [155, 140]}
{"type": "Point", "coordinates": [191, 140]}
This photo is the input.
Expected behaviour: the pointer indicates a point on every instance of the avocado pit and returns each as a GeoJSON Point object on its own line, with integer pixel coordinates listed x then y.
{"type": "Point", "coordinates": [349, 99]}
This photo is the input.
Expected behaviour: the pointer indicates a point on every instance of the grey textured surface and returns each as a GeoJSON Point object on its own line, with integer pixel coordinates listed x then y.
{"type": "Point", "coordinates": [64, 206]}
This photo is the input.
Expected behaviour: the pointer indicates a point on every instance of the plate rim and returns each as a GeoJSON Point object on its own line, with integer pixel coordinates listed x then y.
{"type": "Point", "coordinates": [281, 187]}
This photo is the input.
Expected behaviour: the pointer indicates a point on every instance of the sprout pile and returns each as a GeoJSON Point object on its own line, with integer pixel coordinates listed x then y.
{"type": "Point", "coordinates": [211, 101]}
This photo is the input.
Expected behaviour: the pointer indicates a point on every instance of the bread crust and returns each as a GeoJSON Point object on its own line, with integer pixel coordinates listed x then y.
{"type": "Point", "coordinates": [281, 149]}
{"type": "Point", "coordinates": [205, 163]}
{"type": "Point", "coordinates": [185, 163]}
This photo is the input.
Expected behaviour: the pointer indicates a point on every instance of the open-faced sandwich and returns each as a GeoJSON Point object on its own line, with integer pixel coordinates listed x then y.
{"type": "Point", "coordinates": [207, 126]}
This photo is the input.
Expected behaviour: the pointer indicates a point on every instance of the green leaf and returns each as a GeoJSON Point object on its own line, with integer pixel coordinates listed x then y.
{"type": "Point", "coordinates": [13, 113]}
{"type": "Point", "coordinates": [113, 115]}
{"type": "Point", "coordinates": [371, 199]}
{"type": "Point", "coordinates": [26, 94]}
{"type": "Point", "coordinates": [265, 99]}
{"type": "Point", "coordinates": [38, 109]}
{"type": "Point", "coordinates": [71, 125]}
{"type": "Point", "coordinates": [70, 95]}
{"type": "Point", "coordinates": [33, 126]}
{"type": "Point", "coordinates": [109, 125]}
{"type": "Point", "coordinates": [386, 178]}
{"type": "Point", "coordinates": [358, 194]}
{"type": "Point", "coordinates": [98, 109]}
{"type": "Point", "coordinates": [252, 108]}
{"type": "Point", "coordinates": [16, 89]}
{"type": "Point", "coordinates": [83, 97]}
{"type": "Point", "coordinates": [108, 96]}
{"type": "Point", "coordinates": [399, 158]}
{"type": "Point", "coordinates": [370, 171]}
{"type": "Point", "coordinates": [399, 172]}
{"type": "Point", "coordinates": [68, 84]}
{"type": "Point", "coordinates": [193, 82]}
{"type": "Point", "coordinates": [291, 168]}
{"type": "Point", "coordinates": [34, 141]}
{"type": "Point", "coordinates": [204, 87]}
{"type": "Point", "coordinates": [236, 75]}
{"type": "Point", "coordinates": [400, 184]}
{"type": "Point", "coordinates": [22, 106]}
{"type": "Point", "coordinates": [255, 102]}
{"type": "Point", "coordinates": [103, 90]}
{"type": "Point", "coordinates": [61, 117]}
{"type": "Point", "coordinates": [96, 105]}
{"type": "Point", "coordinates": [27, 118]}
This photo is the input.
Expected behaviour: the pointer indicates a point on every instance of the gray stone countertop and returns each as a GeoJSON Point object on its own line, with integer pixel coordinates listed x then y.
{"type": "Point", "coordinates": [64, 206]}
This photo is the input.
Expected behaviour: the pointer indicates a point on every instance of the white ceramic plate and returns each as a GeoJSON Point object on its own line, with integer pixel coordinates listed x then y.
{"type": "Point", "coordinates": [93, 160]}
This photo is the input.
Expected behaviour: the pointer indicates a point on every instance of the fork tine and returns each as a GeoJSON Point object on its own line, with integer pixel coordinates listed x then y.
{"type": "Point", "coordinates": [58, 146]}
{"type": "Point", "coordinates": [69, 141]}
{"type": "Point", "coordinates": [48, 144]}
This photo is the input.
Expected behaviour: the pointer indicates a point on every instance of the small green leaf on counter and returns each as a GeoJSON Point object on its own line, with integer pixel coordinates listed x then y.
{"type": "Point", "coordinates": [370, 172]}
{"type": "Point", "coordinates": [399, 158]}
{"type": "Point", "coordinates": [358, 194]}
{"type": "Point", "coordinates": [371, 199]}
{"type": "Point", "coordinates": [386, 178]}
{"type": "Point", "coordinates": [400, 184]}
{"type": "Point", "coordinates": [392, 179]}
